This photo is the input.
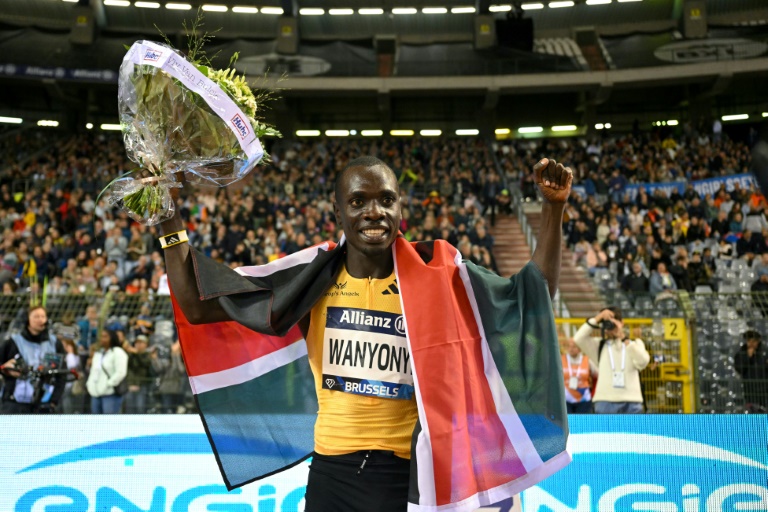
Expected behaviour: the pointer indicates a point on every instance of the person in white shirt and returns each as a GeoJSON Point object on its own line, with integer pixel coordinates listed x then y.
{"type": "Point", "coordinates": [620, 361]}
{"type": "Point", "coordinates": [108, 369]}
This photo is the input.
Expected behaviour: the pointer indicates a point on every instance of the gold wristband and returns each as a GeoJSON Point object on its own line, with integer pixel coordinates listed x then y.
{"type": "Point", "coordinates": [177, 238]}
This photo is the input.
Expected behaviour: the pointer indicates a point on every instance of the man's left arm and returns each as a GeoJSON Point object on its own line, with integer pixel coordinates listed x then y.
{"type": "Point", "coordinates": [554, 181]}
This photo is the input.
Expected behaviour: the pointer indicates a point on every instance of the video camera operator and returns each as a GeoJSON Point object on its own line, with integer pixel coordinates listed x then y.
{"type": "Point", "coordinates": [620, 360]}
{"type": "Point", "coordinates": [31, 368]}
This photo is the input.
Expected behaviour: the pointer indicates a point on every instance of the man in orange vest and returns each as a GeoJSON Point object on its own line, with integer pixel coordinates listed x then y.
{"type": "Point", "coordinates": [578, 380]}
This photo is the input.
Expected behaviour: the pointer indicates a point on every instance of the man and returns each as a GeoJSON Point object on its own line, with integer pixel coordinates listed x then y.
{"type": "Point", "coordinates": [577, 373]}
{"type": "Point", "coordinates": [636, 282]}
{"type": "Point", "coordinates": [619, 360]}
{"type": "Point", "coordinates": [751, 362]}
{"type": "Point", "coordinates": [397, 339]}
{"type": "Point", "coordinates": [34, 346]}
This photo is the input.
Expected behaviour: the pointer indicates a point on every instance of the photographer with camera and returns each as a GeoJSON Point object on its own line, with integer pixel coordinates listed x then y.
{"type": "Point", "coordinates": [32, 367]}
{"type": "Point", "coordinates": [620, 361]}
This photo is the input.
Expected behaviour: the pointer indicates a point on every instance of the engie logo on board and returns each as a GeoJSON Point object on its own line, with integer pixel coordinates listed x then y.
{"type": "Point", "coordinates": [680, 463]}
{"type": "Point", "coordinates": [240, 125]}
{"type": "Point", "coordinates": [162, 472]}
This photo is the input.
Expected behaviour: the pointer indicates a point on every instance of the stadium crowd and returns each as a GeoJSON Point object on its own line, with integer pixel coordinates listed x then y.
{"type": "Point", "coordinates": [61, 239]}
{"type": "Point", "coordinates": [57, 231]}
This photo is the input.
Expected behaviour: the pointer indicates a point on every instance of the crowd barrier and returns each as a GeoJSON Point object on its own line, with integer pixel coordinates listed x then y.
{"type": "Point", "coordinates": [692, 367]}
{"type": "Point", "coordinates": [669, 463]}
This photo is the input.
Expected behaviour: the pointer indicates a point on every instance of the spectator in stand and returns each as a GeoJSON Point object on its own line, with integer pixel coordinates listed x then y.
{"type": "Point", "coordinates": [636, 282]}
{"type": "Point", "coordinates": [139, 375]}
{"type": "Point", "coordinates": [109, 367]}
{"type": "Point", "coordinates": [680, 273]}
{"type": "Point", "coordinates": [481, 237]}
{"type": "Point", "coordinates": [662, 283]}
{"type": "Point", "coordinates": [88, 326]}
{"type": "Point", "coordinates": [699, 273]}
{"type": "Point", "coordinates": [751, 363]}
{"type": "Point", "coordinates": [597, 259]}
{"type": "Point", "coordinates": [725, 250]}
{"type": "Point", "coordinates": [749, 245]}
{"type": "Point", "coordinates": [578, 373]}
{"type": "Point", "coordinates": [617, 185]}
{"type": "Point", "coordinates": [760, 266]}
{"type": "Point", "coordinates": [172, 377]}
{"type": "Point", "coordinates": [755, 220]}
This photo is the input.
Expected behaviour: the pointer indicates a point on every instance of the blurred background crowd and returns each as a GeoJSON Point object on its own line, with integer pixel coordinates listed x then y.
{"type": "Point", "coordinates": [62, 240]}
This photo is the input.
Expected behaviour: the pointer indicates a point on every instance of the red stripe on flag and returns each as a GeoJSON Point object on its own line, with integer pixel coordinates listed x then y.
{"type": "Point", "coordinates": [209, 348]}
{"type": "Point", "coordinates": [471, 449]}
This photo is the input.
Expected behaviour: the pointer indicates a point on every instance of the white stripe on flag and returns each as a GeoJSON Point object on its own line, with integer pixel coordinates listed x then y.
{"type": "Point", "coordinates": [249, 370]}
{"type": "Point", "coordinates": [424, 458]}
{"type": "Point", "coordinates": [516, 432]}
{"type": "Point", "coordinates": [292, 260]}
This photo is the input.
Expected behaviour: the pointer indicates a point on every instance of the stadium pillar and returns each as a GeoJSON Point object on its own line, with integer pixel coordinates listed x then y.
{"type": "Point", "coordinates": [485, 32]}
{"type": "Point", "coordinates": [384, 101]}
{"type": "Point", "coordinates": [288, 29]}
{"type": "Point", "coordinates": [83, 28]}
{"type": "Point", "coordinates": [385, 46]}
{"type": "Point", "coordinates": [486, 116]}
{"type": "Point", "coordinates": [694, 19]}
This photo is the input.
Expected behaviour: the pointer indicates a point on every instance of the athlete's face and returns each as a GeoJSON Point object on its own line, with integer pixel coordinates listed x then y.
{"type": "Point", "coordinates": [368, 207]}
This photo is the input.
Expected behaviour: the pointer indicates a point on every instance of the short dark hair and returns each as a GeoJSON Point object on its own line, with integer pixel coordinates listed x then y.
{"type": "Point", "coordinates": [367, 162]}
{"type": "Point", "coordinates": [616, 312]}
{"type": "Point", "coordinates": [752, 334]}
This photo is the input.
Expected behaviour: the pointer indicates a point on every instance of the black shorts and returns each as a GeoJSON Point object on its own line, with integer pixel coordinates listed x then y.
{"type": "Point", "coordinates": [338, 483]}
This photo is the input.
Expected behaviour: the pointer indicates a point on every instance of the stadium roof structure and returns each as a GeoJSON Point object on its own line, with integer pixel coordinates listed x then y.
{"type": "Point", "coordinates": [438, 74]}
{"type": "Point", "coordinates": [428, 21]}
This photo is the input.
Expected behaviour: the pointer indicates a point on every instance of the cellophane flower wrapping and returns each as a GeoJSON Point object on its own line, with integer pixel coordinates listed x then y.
{"type": "Point", "coordinates": [169, 128]}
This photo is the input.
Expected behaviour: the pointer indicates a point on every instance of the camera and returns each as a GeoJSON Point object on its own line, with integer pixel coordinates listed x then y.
{"type": "Point", "coordinates": [608, 325]}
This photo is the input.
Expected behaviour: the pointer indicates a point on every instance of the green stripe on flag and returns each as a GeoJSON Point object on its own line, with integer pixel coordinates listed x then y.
{"type": "Point", "coordinates": [517, 318]}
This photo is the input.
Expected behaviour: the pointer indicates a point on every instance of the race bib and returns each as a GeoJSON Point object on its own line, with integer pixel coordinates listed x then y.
{"type": "Point", "coordinates": [618, 379]}
{"type": "Point", "coordinates": [366, 353]}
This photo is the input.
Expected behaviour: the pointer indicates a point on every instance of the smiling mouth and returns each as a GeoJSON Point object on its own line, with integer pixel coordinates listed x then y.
{"type": "Point", "coordinates": [374, 234]}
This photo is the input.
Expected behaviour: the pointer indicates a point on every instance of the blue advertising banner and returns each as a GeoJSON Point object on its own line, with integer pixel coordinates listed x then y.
{"type": "Point", "coordinates": [703, 187]}
{"type": "Point", "coordinates": [58, 73]}
{"type": "Point", "coordinates": [650, 463]}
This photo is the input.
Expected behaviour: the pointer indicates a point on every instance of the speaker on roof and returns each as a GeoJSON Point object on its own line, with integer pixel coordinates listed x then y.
{"type": "Point", "coordinates": [514, 32]}
{"type": "Point", "coordinates": [694, 19]}
{"type": "Point", "coordinates": [288, 35]}
{"type": "Point", "coordinates": [386, 47]}
{"type": "Point", "coordinates": [485, 31]}
{"type": "Point", "coordinates": [83, 25]}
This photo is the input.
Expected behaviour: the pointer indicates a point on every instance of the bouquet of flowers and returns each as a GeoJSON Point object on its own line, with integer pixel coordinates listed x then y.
{"type": "Point", "coordinates": [181, 115]}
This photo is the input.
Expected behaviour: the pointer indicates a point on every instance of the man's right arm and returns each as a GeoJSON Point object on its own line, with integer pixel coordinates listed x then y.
{"type": "Point", "coordinates": [183, 282]}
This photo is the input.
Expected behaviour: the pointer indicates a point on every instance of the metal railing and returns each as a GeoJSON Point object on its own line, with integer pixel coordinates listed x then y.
{"type": "Point", "coordinates": [702, 363]}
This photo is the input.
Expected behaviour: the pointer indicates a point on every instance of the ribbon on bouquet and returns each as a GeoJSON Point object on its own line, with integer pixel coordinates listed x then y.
{"type": "Point", "coordinates": [168, 60]}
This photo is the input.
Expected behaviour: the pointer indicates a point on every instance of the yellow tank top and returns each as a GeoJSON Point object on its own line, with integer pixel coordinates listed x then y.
{"type": "Point", "coordinates": [361, 364]}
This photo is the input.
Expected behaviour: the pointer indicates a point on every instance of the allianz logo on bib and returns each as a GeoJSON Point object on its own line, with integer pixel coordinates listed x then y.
{"type": "Point", "coordinates": [242, 127]}
{"type": "Point", "coordinates": [152, 55]}
{"type": "Point", "coordinates": [365, 320]}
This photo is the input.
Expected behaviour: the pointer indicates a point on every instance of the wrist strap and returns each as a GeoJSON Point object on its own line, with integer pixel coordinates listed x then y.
{"type": "Point", "coordinates": [172, 239]}
{"type": "Point", "coordinates": [592, 326]}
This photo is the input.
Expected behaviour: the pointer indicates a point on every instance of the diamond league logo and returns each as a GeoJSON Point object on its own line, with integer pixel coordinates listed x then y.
{"type": "Point", "coordinates": [708, 50]}
{"type": "Point", "coordinates": [330, 382]}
